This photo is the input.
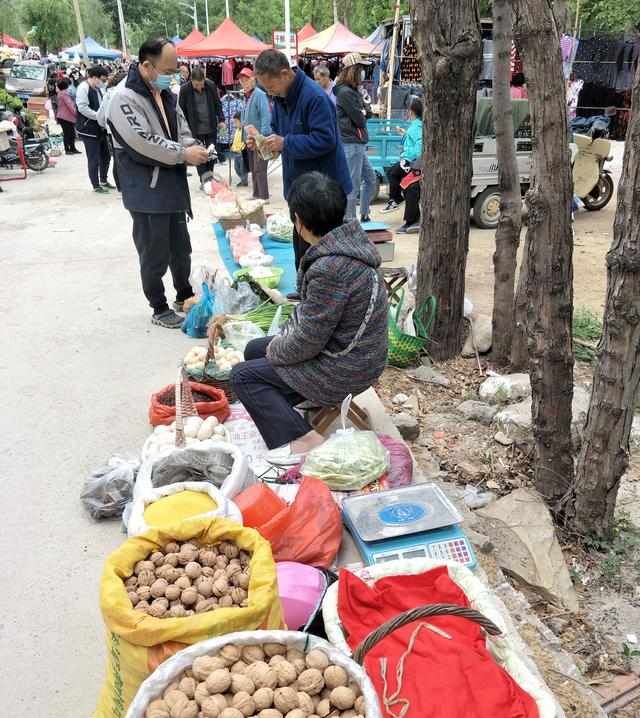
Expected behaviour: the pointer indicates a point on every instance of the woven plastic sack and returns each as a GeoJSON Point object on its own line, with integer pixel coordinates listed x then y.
{"type": "Point", "coordinates": [216, 462]}
{"type": "Point", "coordinates": [171, 669]}
{"type": "Point", "coordinates": [197, 320]}
{"type": "Point", "coordinates": [184, 501]}
{"type": "Point", "coordinates": [218, 405]}
{"type": "Point", "coordinates": [137, 643]}
{"type": "Point", "coordinates": [307, 531]}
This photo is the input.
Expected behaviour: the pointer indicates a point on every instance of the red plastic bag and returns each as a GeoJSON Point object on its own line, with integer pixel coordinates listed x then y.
{"type": "Point", "coordinates": [218, 405]}
{"type": "Point", "coordinates": [308, 531]}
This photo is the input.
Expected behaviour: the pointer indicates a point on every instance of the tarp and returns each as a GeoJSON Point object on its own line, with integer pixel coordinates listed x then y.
{"type": "Point", "coordinates": [10, 41]}
{"type": "Point", "coordinates": [227, 40]}
{"type": "Point", "coordinates": [483, 125]}
{"type": "Point", "coordinates": [335, 40]}
{"type": "Point", "coordinates": [94, 50]}
{"type": "Point", "coordinates": [307, 31]}
{"type": "Point", "coordinates": [193, 38]}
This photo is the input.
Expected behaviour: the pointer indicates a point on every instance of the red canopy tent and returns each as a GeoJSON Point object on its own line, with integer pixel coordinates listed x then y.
{"type": "Point", "coordinates": [336, 40]}
{"type": "Point", "coordinates": [227, 40]}
{"type": "Point", "coordinates": [307, 31]}
{"type": "Point", "coordinates": [10, 41]}
{"type": "Point", "coordinates": [194, 37]}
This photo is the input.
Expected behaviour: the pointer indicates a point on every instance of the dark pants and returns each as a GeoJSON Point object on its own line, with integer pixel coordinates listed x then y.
{"type": "Point", "coordinates": [267, 398]}
{"type": "Point", "coordinates": [116, 179]}
{"type": "Point", "coordinates": [162, 241]}
{"type": "Point", "coordinates": [68, 135]}
{"type": "Point", "coordinates": [299, 247]}
{"type": "Point", "coordinates": [207, 167]}
{"type": "Point", "coordinates": [258, 169]}
{"type": "Point", "coordinates": [98, 159]}
{"type": "Point", "coordinates": [396, 174]}
{"type": "Point", "coordinates": [412, 204]}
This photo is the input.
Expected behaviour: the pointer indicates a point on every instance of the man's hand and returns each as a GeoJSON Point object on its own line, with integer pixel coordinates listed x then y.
{"type": "Point", "coordinates": [251, 143]}
{"type": "Point", "coordinates": [196, 155]}
{"type": "Point", "coordinates": [274, 143]}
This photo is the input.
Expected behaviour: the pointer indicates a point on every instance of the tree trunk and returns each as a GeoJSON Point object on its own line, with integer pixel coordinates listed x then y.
{"type": "Point", "coordinates": [450, 46]}
{"type": "Point", "coordinates": [508, 231]}
{"type": "Point", "coordinates": [605, 449]}
{"type": "Point", "coordinates": [519, 352]}
{"type": "Point", "coordinates": [549, 278]}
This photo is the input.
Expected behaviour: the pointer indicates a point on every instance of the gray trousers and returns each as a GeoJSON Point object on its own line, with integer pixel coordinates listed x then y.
{"type": "Point", "coordinates": [258, 169]}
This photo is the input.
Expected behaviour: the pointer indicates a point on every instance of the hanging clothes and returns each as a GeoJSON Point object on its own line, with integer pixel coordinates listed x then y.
{"type": "Point", "coordinates": [228, 68]}
{"type": "Point", "coordinates": [441, 677]}
{"type": "Point", "coordinates": [410, 68]}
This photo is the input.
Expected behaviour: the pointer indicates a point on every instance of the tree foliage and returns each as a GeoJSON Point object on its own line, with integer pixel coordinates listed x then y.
{"type": "Point", "coordinates": [48, 23]}
{"type": "Point", "coordinates": [617, 16]}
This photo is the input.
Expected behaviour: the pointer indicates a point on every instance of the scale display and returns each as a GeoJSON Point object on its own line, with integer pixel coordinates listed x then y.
{"type": "Point", "coordinates": [412, 522]}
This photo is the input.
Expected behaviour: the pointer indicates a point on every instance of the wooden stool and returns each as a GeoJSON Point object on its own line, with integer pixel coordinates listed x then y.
{"type": "Point", "coordinates": [394, 279]}
{"type": "Point", "coordinates": [324, 417]}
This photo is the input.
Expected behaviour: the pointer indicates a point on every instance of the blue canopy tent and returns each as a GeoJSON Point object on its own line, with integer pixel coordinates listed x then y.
{"type": "Point", "coordinates": [94, 50]}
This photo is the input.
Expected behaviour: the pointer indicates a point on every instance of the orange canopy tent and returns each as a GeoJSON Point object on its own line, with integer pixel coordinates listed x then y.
{"type": "Point", "coordinates": [192, 38]}
{"type": "Point", "coordinates": [336, 40]}
{"type": "Point", "coordinates": [306, 32]}
{"type": "Point", "coordinates": [227, 40]}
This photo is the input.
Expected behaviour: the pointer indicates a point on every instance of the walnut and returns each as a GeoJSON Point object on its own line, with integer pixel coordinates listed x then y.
{"type": "Point", "coordinates": [146, 577]}
{"type": "Point", "coordinates": [157, 558]}
{"type": "Point", "coordinates": [157, 709]}
{"type": "Point", "coordinates": [219, 573]}
{"type": "Point", "coordinates": [142, 606]}
{"type": "Point", "coordinates": [293, 654]}
{"type": "Point", "coordinates": [242, 684]}
{"type": "Point", "coordinates": [210, 708]}
{"type": "Point", "coordinates": [183, 582]}
{"type": "Point", "coordinates": [203, 666]}
{"type": "Point", "coordinates": [193, 570]}
{"type": "Point", "coordinates": [286, 672]}
{"type": "Point", "coordinates": [276, 659]}
{"type": "Point", "coordinates": [233, 570]}
{"type": "Point", "coordinates": [359, 705]}
{"type": "Point", "coordinates": [158, 587]}
{"type": "Point", "coordinates": [270, 713]}
{"type": "Point", "coordinates": [133, 597]}
{"type": "Point", "coordinates": [239, 667]}
{"type": "Point", "coordinates": [244, 557]}
{"type": "Point", "coordinates": [262, 675]}
{"type": "Point", "coordinates": [317, 659]}
{"type": "Point", "coordinates": [173, 593]}
{"type": "Point", "coordinates": [225, 601]}
{"type": "Point", "coordinates": [349, 714]}
{"type": "Point", "coordinates": [323, 708]}
{"type": "Point", "coordinates": [221, 563]}
{"type": "Point", "coordinates": [204, 586]}
{"type": "Point", "coordinates": [171, 559]}
{"type": "Point", "coordinates": [174, 698]}
{"type": "Point", "coordinates": [190, 709]}
{"type": "Point", "coordinates": [207, 558]}
{"type": "Point", "coordinates": [173, 686]}
{"type": "Point", "coordinates": [355, 688]}
{"type": "Point", "coordinates": [220, 586]}
{"type": "Point", "coordinates": [251, 654]}
{"type": "Point", "coordinates": [178, 611]}
{"type": "Point", "coordinates": [306, 703]}
{"type": "Point", "coordinates": [296, 713]}
{"type": "Point", "coordinates": [335, 676]}
{"type": "Point", "coordinates": [201, 693]}
{"type": "Point", "coordinates": [229, 549]}
{"type": "Point", "coordinates": [218, 681]}
{"type": "Point", "coordinates": [263, 698]}
{"type": "Point", "coordinates": [311, 681]}
{"type": "Point", "coordinates": [131, 582]}
{"type": "Point", "coordinates": [189, 596]}
{"type": "Point", "coordinates": [143, 566]}
{"type": "Point", "coordinates": [171, 547]}
{"type": "Point", "coordinates": [244, 703]}
{"type": "Point", "coordinates": [158, 608]}
{"type": "Point", "coordinates": [188, 686]}
{"type": "Point", "coordinates": [285, 699]}
{"type": "Point", "coordinates": [241, 580]}
{"type": "Point", "coordinates": [238, 595]}
{"type": "Point", "coordinates": [342, 698]}
{"type": "Point", "coordinates": [231, 713]}
{"type": "Point", "coordinates": [187, 554]}
{"type": "Point", "coordinates": [204, 605]}
{"type": "Point", "coordinates": [171, 574]}
{"type": "Point", "coordinates": [274, 649]}
{"type": "Point", "coordinates": [207, 571]}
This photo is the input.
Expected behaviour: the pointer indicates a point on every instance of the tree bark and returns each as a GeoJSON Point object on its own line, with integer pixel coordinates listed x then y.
{"type": "Point", "coordinates": [604, 456]}
{"type": "Point", "coordinates": [549, 279]}
{"type": "Point", "coordinates": [449, 44]}
{"type": "Point", "coordinates": [519, 351]}
{"type": "Point", "coordinates": [508, 230]}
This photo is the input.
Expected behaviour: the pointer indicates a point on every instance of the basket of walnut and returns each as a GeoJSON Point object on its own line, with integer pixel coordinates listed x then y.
{"type": "Point", "coordinates": [257, 674]}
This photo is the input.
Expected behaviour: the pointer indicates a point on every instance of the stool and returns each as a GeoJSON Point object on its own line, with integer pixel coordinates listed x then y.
{"type": "Point", "coordinates": [324, 417]}
{"type": "Point", "coordinates": [394, 279]}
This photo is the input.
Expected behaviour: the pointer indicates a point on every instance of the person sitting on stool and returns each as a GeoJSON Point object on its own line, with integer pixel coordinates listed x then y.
{"type": "Point", "coordinates": [411, 191]}
{"type": "Point", "coordinates": [335, 342]}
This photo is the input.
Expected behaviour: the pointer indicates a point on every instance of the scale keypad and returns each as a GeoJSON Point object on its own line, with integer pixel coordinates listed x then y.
{"type": "Point", "coordinates": [451, 550]}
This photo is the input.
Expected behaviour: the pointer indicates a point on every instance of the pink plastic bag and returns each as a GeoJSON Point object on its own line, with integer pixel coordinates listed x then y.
{"type": "Point", "coordinates": [222, 192]}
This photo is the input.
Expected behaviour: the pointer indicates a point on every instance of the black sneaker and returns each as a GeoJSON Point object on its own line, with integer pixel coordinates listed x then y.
{"type": "Point", "coordinates": [363, 220]}
{"type": "Point", "coordinates": [242, 183]}
{"type": "Point", "coordinates": [179, 306]}
{"type": "Point", "coordinates": [391, 206]}
{"type": "Point", "coordinates": [293, 297]}
{"type": "Point", "coordinates": [413, 229]}
{"type": "Point", "coordinates": [167, 319]}
{"type": "Point", "coordinates": [403, 229]}
{"type": "Point", "coordinates": [100, 190]}
{"type": "Point", "coordinates": [107, 185]}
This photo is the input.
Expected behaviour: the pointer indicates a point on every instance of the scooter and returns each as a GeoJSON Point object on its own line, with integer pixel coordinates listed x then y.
{"type": "Point", "coordinates": [592, 182]}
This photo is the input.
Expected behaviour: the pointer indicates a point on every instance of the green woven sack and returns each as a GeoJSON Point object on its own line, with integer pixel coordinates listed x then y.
{"type": "Point", "coordinates": [405, 349]}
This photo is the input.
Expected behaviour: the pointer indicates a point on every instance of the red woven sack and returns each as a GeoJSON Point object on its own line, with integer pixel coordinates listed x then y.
{"type": "Point", "coordinates": [218, 406]}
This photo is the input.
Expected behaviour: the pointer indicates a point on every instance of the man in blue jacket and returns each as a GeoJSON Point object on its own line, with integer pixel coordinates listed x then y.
{"type": "Point", "coordinates": [305, 127]}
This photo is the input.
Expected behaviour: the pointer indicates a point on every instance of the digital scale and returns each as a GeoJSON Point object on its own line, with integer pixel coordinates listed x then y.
{"type": "Point", "coordinates": [411, 522]}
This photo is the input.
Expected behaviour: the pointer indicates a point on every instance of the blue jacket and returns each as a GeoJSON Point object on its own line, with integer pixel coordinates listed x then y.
{"type": "Point", "coordinates": [257, 112]}
{"type": "Point", "coordinates": [306, 118]}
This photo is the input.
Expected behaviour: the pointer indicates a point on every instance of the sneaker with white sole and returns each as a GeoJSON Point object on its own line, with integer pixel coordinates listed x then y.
{"type": "Point", "coordinates": [167, 319]}
{"type": "Point", "coordinates": [283, 456]}
{"type": "Point", "coordinates": [391, 206]}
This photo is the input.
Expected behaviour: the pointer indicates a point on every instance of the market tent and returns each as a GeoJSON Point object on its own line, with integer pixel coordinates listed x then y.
{"type": "Point", "coordinates": [227, 40]}
{"type": "Point", "coordinates": [307, 31]}
{"type": "Point", "coordinates": [194, 37]}
{"type": "Point", "coordinates": [335, 40]}
{"type": "Point", "coordinates": [94, 50]}
{"type": "Point", "coordinates": [10, 41]}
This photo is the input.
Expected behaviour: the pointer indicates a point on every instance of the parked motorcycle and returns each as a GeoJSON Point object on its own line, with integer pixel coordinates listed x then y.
{"type": "Point", "coordinates": [14, 138]}
{"type": "Point", "coordinates": [592, 181]}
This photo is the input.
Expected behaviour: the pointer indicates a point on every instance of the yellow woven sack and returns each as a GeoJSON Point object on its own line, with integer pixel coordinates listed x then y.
{"type": "Point", "coordinates": [138, 643]}
{"type": "Point", "coordinates": [175, 509]}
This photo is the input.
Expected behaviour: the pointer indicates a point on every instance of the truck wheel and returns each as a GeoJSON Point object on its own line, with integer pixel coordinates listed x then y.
{"type": "Point", "coordinates": [486, 208]}
{"type": "Point", "coordinates": [601, 194]}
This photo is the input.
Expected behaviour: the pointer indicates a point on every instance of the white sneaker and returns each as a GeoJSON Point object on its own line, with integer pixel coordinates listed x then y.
{"type": "Point", "coordinates": [283, 456]}
{"type": "Point", "coordinates": [391, 206]}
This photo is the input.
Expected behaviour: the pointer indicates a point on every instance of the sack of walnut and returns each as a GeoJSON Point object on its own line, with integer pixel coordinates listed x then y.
{"type": "Point", "coordinates": [137, 643]}
{"type": "Point", "coordinates": [266, 693]}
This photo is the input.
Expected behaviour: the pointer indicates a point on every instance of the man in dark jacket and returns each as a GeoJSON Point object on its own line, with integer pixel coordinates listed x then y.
{"type": "Point", "coordinates": [304, 125]}
{"type": "Point", "coordinates": [200, 103]}
{"type": "Point", "coordinates": [153, 145]}
{"type": "Point", "coordinates": [88, 100]}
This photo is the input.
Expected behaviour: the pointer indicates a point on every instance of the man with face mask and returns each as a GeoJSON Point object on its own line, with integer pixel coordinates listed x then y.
{"type": "Point", "coordinates": [304, 128]}
{"type": "Point", "coordinates": [153, 146]}
{"type": "Point", "coordinates": [88, 100]}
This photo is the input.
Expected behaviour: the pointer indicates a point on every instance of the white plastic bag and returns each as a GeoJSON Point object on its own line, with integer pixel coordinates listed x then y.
{"type": "Point", "coordinates": [136, 523]}
{"type": "Point", "coordinates": [170, 669]}
{"type": "Point", "coordinates": [238, 479]}
{"type": "Point", "coordinates": [348, 460]}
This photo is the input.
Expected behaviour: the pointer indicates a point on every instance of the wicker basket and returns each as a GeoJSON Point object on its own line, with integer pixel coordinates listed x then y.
{"type": "Point", "coordinates": [210, 374]}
